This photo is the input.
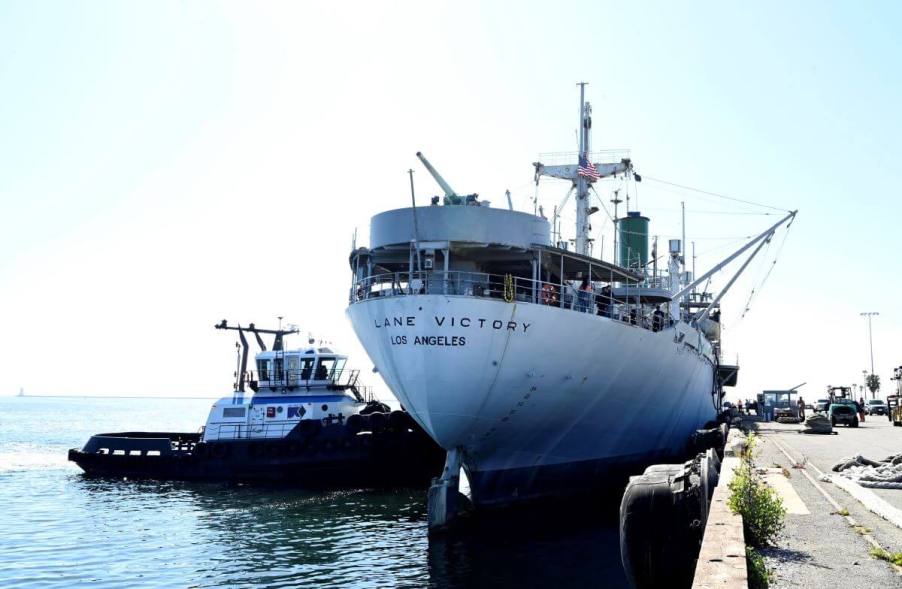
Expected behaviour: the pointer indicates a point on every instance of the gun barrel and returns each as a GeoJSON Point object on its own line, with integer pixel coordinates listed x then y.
{"type": "Point", "coordinates": [449, 192]}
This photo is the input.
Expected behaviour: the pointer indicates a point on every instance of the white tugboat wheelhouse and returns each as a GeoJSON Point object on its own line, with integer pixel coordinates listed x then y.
{"type": "Point", "coordinates": [287, 387]}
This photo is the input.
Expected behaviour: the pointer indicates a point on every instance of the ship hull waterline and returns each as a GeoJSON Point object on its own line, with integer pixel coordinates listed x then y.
{"type": "Point", "coordinates": [543, 402]}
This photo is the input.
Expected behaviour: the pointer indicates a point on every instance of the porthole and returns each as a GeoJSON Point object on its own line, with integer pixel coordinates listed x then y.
{"type": "Point", "coordinates": [325, 407]}
{"type": "Point", "coordinates": [279, 410]}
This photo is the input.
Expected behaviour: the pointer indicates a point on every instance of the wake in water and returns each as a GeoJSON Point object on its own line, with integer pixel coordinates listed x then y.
{"type": "Point", "coordinates": [23, 457]}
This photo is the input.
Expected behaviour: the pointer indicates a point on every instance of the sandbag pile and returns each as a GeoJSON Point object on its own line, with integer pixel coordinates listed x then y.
{"type": "Point", "coordinates": [817, 424]}
{"type": "Point", "coordinates": [886, 474]}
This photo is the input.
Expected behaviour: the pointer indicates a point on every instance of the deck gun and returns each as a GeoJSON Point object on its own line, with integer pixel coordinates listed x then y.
{"type": "Point", "coordinates": [451, 197]}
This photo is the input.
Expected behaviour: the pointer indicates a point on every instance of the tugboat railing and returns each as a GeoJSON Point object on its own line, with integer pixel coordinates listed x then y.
{"type": "Point", "coordinates": [262, 431]}
{"type": "Point", "coordinates": [345, 378]}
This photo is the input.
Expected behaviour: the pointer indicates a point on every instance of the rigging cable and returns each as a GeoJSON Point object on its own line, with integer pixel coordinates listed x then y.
{"type": "Point", "coordinates": [718, 195]}
{"type": "Point", "coordinates": [767, 275]}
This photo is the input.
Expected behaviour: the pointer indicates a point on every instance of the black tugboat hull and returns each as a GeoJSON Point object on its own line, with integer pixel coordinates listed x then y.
{"type": "Point", "coordinates": [334, 457]}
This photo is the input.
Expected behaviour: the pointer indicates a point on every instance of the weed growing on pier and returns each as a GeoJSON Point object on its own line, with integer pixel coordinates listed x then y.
{"type": "Point", "coordinates": [761, 508]}
{"type": "Point", "coordinates": [893, 557]}
{"type": "Point", "coordinates": [758, 575]}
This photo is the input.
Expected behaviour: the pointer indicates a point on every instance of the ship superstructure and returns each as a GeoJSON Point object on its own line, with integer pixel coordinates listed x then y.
{"type": "Point", "coordinates": [540, 369]}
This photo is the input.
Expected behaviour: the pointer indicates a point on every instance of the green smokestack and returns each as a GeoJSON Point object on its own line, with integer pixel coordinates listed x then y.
{"type": "Point", "coordinates": [633, 248]}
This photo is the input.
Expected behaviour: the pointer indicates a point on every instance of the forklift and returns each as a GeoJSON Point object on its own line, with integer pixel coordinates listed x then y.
{"type": "Point", "coordinates": [843, 408]}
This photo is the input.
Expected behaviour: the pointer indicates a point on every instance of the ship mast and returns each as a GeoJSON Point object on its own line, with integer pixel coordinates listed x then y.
{"type": "Point", "coordinates": [582, 185]}
{"type": "Point", "coordinates": [582, 181]}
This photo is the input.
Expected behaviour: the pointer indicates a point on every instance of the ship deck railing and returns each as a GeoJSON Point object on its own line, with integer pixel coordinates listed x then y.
{"type": "Point", "coordinates": [511, 289]}
{"type": "Point", "coordinates": [564, 158]}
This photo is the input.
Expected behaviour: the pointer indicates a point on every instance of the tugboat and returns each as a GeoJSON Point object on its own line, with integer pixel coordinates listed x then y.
{"type": "Point", "coordinates": [307, 422]}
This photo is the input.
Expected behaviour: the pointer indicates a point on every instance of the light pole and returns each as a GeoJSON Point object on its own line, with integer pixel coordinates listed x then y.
{"type": "Point", "coordinates": [870, 314]}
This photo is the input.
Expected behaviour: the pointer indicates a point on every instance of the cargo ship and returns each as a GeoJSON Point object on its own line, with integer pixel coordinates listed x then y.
{"type": "Point", "coordinates": [541, 369]}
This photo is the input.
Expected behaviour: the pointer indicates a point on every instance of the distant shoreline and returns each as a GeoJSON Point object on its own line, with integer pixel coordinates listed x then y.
{"type": "Point", "coordinates": [102, 397]}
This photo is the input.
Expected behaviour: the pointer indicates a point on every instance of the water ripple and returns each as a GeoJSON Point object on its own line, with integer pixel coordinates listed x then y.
{"type": "Point", "coordinates": [59, 529]}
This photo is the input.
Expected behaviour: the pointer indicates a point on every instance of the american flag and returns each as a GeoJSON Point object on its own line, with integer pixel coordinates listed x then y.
{"type": "Point", "coordinates": [587, 169]}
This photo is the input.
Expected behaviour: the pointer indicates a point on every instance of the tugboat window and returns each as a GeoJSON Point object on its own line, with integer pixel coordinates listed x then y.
{"type": "Point", "coordinates": [324, 368]}
{"type": "Point", "coordinates": [294, 369]}
{"type": "Point", "coordinates": [306, 368]}
{"type": "Point", "coordinates": [263, 369]}
{"type": "Point", "coordinates": [278, 364]}
{"type": "Point", "coordinates": [339, 367]}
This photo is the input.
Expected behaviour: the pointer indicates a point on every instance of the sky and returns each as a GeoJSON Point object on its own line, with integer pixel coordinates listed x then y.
{"type": "Point", "coordinates": [165, 165]}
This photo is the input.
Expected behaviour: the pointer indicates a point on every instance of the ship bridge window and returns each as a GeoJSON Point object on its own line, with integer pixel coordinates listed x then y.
{"type": "Point", "coordinates": [263, 369]}
{"type": "Point", "coordinates": [233, 412]}
{"type": "Point", "coordinates": [324, 368]}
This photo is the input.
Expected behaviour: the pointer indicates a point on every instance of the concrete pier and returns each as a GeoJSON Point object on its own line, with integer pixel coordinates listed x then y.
{"type": "Point", "coordinates": [721, 560]}
{"type": "Point", "coordinates": [830, 546]}
{"type": "Point", "coordinates": [831, 523]}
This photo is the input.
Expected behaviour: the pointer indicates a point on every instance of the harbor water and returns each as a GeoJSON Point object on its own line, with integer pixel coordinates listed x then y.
{"type": "Point", "coordinates": [61, 529]}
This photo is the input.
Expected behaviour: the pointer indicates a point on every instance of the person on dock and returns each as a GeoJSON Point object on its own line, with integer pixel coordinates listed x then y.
{"type": "Point", "coordinates": [860, 406]}
{"type": "Point", "coordinates": [801, 408]}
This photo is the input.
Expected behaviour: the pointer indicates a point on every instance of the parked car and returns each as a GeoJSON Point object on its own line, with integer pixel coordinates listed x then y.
{"type": "Point", "coordinates": [843, 411]}
{"type": "Point", "coordinates": [876, 407]}
{"type": "Point", "coordinates": [822, 405]}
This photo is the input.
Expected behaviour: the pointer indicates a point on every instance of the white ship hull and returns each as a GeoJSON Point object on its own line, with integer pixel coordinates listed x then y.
{"type": "Point", "coordinates": [541, 400]}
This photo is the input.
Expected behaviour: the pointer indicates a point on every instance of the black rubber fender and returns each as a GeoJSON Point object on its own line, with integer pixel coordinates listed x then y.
{"type": "Point", "coordinates": [376, 422]}
{"type": "Point", "coordinates": [400, 421]}
{"type": "Point", "coordinates": [703, 439]}
{"type": "Point", "coordinates": [659, 527]}
{"type": "Point", "coordinates": [354, 423]}
{"type": "Point", "coordinates": [375, 407]}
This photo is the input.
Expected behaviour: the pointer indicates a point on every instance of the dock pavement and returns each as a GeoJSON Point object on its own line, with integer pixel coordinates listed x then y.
{"type": "Point", "coordinates": [828, 532]}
